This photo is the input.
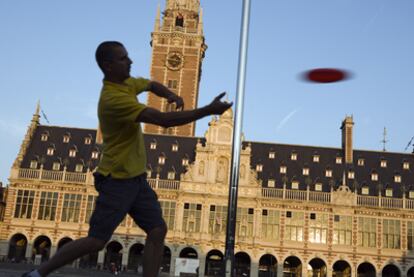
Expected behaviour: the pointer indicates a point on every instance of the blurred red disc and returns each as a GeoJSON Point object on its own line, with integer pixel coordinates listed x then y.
{"type": "Point", "coordinates": [326, 75]}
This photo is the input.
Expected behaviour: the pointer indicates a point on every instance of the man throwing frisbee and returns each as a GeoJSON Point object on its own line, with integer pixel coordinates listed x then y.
{"type": "Point", "coordinates": [120, 178]}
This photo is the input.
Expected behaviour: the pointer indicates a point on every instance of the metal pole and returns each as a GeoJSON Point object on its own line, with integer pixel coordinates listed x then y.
{"type": "Point", "coordinates": [235, 159]}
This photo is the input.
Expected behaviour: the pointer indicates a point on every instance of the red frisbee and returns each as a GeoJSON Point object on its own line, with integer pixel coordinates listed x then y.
{"type": "Point", "coordinates": [326, 75]}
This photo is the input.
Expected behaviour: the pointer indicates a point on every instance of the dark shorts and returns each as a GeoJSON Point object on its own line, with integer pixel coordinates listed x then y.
{"type": "Point", "coordinates": [119, 197]}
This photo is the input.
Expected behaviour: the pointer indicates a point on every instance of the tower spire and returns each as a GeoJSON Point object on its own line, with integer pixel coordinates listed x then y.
{"type": "Point", "coordinates": [200, 22]}
{"type": "Point", "coordinates": [157, 20]}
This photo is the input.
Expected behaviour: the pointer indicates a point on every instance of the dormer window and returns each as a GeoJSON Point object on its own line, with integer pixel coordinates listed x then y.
{"type": "Point", "coordinates": [397, 178]}
{"type": "Point", "coordinates": [72, 153]}
{"type": "Point", "coordinates": [66, 138]}
{"type": "Point", "coordinates": [271, 183]}
{"type": "Point", "coordinates": [153, 145]}
{"type": "Point", "coordinates": [185, 161]}
{"type": "Point", "coordinates": [50, 151]}
{"type": "Point", "coordinates": [88, 140]}
{"type": "Point", "coordinates": [56, 166]}
{"type": "Point", "coordinates": [294, 156]}
{"type": "Point", "coordinates": [95, 154]}
{"type": "Point", "coordinates": [411, 194]}
{"type": "Point", "coordinates": [316, 158]}
{"type": "Point", "coordinates": [406, 165]}
{"type": "Point", "coordinates": [295, 185]}
{"type": "Point", "coordinates": [365, 190]}
{"type": "Point", "coordinates": [44, 137]}
{"type": "Point", "coordinates": [33, 164]}
{"type": "Point", "coordinates": [79, 168]}
{"type": "Point", "coordinates": [149, 172]}
{"type": "Point", "coordinates": [351, 175]}
{"type": "Point", "coordinates": [259, 168]}
{"type": "Point", "coordinates": [305, 171]}
{"type": "Point", "coordinates": [174, 147]}
{"type": "Point", "coordinates": [388, 192]}
{"type": "Point", "coordinates": [361, 162]}
{"type": "Point", "coordinates": [338, 160]}
{"type": "Point", "coordinates": [318, 187]}
{"type": "Point", "coordinates": [328, 173]}
{"type": "Point", "coordinates": [161, 159]}
{"type": "Point", "coordinates": [383, 163]}
{"type": "Point", "coordinates": [283, 169]}
{"type": "Point", "coordinates": [171, 175]}
{"type": "Point", "coordinates": [272, 155]}
{"type": "Point", "coordinates": [374, 176]}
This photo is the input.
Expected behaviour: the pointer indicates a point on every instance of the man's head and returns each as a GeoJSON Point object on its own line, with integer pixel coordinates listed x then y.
{"type": "Point", "coordinates": [113, 60]}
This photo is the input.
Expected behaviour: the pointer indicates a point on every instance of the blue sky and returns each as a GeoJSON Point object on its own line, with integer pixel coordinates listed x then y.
{"type": "Point", "coordinates": [47, 53]}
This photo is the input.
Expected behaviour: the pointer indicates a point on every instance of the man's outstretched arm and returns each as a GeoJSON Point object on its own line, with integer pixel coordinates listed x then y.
{"type": "Point", "coordinates": [171, 119]}
{"type": "Point", "coordinates": [162, 91]}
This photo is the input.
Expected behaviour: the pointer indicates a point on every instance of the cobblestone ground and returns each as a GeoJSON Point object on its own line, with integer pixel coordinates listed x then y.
{"type": "Point", "coordinates": [16, 270]}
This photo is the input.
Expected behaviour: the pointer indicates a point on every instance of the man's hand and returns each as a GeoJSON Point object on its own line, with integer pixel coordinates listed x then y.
{"type": "Point", "coordinates": [174, 98]}
{"type": "Point", "coordinates": [217, 106]}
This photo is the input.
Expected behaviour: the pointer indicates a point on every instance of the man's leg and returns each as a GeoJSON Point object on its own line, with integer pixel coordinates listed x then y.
{"type": "Point", "coordinates": [153, 251]}
{"type": "Point", "coordinates": [71, 251]}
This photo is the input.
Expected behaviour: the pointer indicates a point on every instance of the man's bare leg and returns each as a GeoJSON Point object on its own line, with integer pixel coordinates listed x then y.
{"type": "Point", "coordinates": [70, 252]}
{"type": "Point", "coordinates": [153, 251]}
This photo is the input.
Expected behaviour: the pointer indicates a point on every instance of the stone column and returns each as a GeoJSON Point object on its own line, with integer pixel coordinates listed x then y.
{"type": "Point", "coordinates": [202, 265]}
{"type": "Point", "coordinates": [53, 250]}
{"type": "Point", "coordinates": [4, 248]}
{"type": "Point", "coordinates": [254, 269]}
{"type": "Point", "coordinates": [28, 254]}
{"type": "Point", "coordinates": [280, 269]}
{"type": "Point", "coordinates": [124, 259]}
{"type": "Point", "coordinates": [101, 259]}
{"type": "Point", "coordinates": [174, 255]}
{"type": "Point", "coordinates": [328, 271]}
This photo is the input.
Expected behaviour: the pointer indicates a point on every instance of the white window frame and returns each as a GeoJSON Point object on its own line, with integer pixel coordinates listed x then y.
{"type": "Point", "coordinates": [272, 155]}
{"type": "Point", "coordinates": [406, 165]}
{"type": "Point", "coordinates": [44, 137]}
{"type": "Point", "coordinates": [388, 192]}
{"type": "Point", "coordinates": [50, 151]}
{"type": "Point", "coordinates": [95, 154]}
{"type": "Point", "coordinates": [79, 168]}
{"type": "Point", "coordinates": [365, 190]}
{"type": "Point", "coordinates": [338, 160]}
{"type": "Point", "coordinates": [72, 153]}
{"type": "Point", "coordinates": [161, 160]}
{"type": "Point", "coordinates": [171, 175]}
{"type": "Point", "coordinates": [283, 169]}
{"type": "Point", "coordinates": [318, 187]}
{"type": "Point", "coordinates": [88, 140]}
{"type": "Point", "coordinates": [271, 183]}
{"type": "Point", "coordinates": [185, 161]}
{"type": "Point", "coordinates": [174, 147]}
{"type": "Point", "coordinates": [328, 173]}
{"type": "Point", "coordinates": [295, 185]}
{"type": "Point", "coordinates": [153, 145]}
{"type": "Point", "coordinates": [315, 158]}
{"type": "Point", "coordinates": [66, 139]}
{"type": "Point", "coordinates": [259, 167]}
{"type": "Point", "coordinates": [294, 156]}
{"type": "Point", "coordinates": [33, 164]}
{"type": "Point", "coordinates": [411, 194]}
{"type": "Point", "coordinates": [383, 163]}
{"type": "Point", "coordinates": [351, 175]}
{"type": "Point", "coordinates": [361, 162]}
{"type": "Point", "coordinates": [374, 176]}
{"type": "Point", "coordinates": [56, 166]}
{"type": "Point", "coordinates": [397, 178]}
{"type": "Point", "coordinates": [305, 171]}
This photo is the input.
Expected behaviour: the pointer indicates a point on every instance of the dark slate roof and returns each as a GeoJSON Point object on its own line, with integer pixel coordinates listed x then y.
{"type": "Point", "coordinates": [260, 155]}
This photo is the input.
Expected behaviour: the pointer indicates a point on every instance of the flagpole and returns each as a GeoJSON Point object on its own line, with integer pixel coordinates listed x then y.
{"type": "Point", "coordinates": [236, 145]}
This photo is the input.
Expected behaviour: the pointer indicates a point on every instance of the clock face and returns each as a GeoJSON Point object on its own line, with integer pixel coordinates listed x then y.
{"type": "Point", "coordinates": [174, 60]}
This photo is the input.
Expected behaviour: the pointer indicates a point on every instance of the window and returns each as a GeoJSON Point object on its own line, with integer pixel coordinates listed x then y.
{"type": "Point", "coordinates": [185, 161]}
{"type": "Point", "coordinates": [71, 207]}
{"type": "Point", "coordinates": [361, 162]}
{"type": "Point", "coordinates": [283, 169]}
{"type": "Point", "coordinates": [24, 204]}
{"type": "Point", "coordinates": [338, 160]}
{"type": "Point", "coordinates": [316, 158]}
{"type": "Point", "coordinates": [318, 187]}
{"type": "Point", "coordinates": [47, 205]}
{"type": "Point", "coordinates": [391, 233]}
{"type": "Point", "coordinates": [161, 160]}
{"type": "Point", "coordinates": [406, 165]}
{"type": "Point", "coordinates": [174, 147]}
{"type": "Point", "coordinates": [50, 151]}
{"type": "Point", "coordinates": [270, 224]}
{"type": "Point", "coordinates": [44, 137]}
{"type": "Point", "coordinates": [217, 219]}
{"type": "Point", "coordinates": [351, 175]}
{"type": "Point", "coordinates": [33, 164]}
{"type": "Point", "coordinates": [259, 168]}
{"type": "Point", "coordinates": [56, 166]}
{"type": "Point", "coordinates": [88, 140]}
{"type": "Point", "coordinates": [328, 173]}
{"type": "Point", "coordinates": [271, 155]}
{"type": "Point", "coordinates": [305, 171]}
{"type": "Point", "coordinates": [410, 235]}
{"type": "Point", "coordinates": [365, 190]}
{"type": "Point", "coordinates": [411, 194]}
{"type": "Point", "coordinates": [244, 222]}
{"type": "Point", "coordinates": [153, 145]}
{"type": "Point", "coordinates": [271, 183]}
{"type": "Point", "coordinates": [149, 173]}
{"type": "Point", "coordinates": [171, 175]}
{"type": "Point", "coordinates": [172, 84]}
{"type": "Point", "coordinates": [294, 156]}
{"type": "Point", "coordinates": [388, 192]}
{"type": "Point", "coordinates": [72, 153]}
{"type": "Point", "coordinates": [191, 217]}
{"type": "Point", "coordinates": [79, 168]}
{"type": "Point", "coordinates": [397, 178]}
{"type": "Point", "coordinates": [294, 226]}
{"type": "Point", "coordinates": [90, 206]}
{"type": "Point", "coordinates": [342, 232]}
{"type": "Point", "coordinates": [95, 154]}
{"type": "Point", "coordinates": [295, 185]}
{"type": "Point", "coordinates": [318, 228]}
{"type": "Point", "coordinates": [367, 232]}
{"type": "Point", "coordinates": [383, 163]}
{"type": "Point", "coordinates": [374, 176]}
{"type": "Point", "coordinates": [66, 138]}
{"type": "Point", "coordinates": [168, 213]}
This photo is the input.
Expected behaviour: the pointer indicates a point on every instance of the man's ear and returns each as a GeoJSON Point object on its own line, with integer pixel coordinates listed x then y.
{"type": "Point", "coordinates": [106, 66]}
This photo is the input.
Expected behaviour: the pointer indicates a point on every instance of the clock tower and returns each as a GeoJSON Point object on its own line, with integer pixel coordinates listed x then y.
{"type": "Point", "coordinates": [177, 53]}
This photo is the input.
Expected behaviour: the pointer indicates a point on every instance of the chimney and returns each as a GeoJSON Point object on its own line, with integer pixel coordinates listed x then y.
{"type": "Point", "coordinates": [99, 139]}
{"type": "Point", "coordinates": [347, 126]}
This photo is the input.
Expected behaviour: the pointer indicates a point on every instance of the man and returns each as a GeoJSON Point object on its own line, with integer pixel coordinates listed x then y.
{"type": "Point", "coordinates": [120, 178]}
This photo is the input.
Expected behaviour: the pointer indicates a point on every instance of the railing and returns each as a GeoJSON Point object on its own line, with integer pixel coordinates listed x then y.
{"type": "Point", "coordinates": [51, 175]}
{"type": "Point", "coordinates": [323, 197]}
{"type": "Point", "coordinates": [164, 184]}
{"type": "Point", "coordinates": [370, 201]}
{"type": "Point", "coordinates": [170, 29]}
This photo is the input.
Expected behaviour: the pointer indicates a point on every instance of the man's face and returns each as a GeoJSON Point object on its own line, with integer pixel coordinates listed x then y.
{"type": "Point", "coordinates": [119, 65]}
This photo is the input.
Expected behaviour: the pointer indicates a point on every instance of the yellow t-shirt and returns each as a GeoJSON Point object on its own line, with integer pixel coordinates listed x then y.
{"type": "Point", "coordinates": [123, 143]}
